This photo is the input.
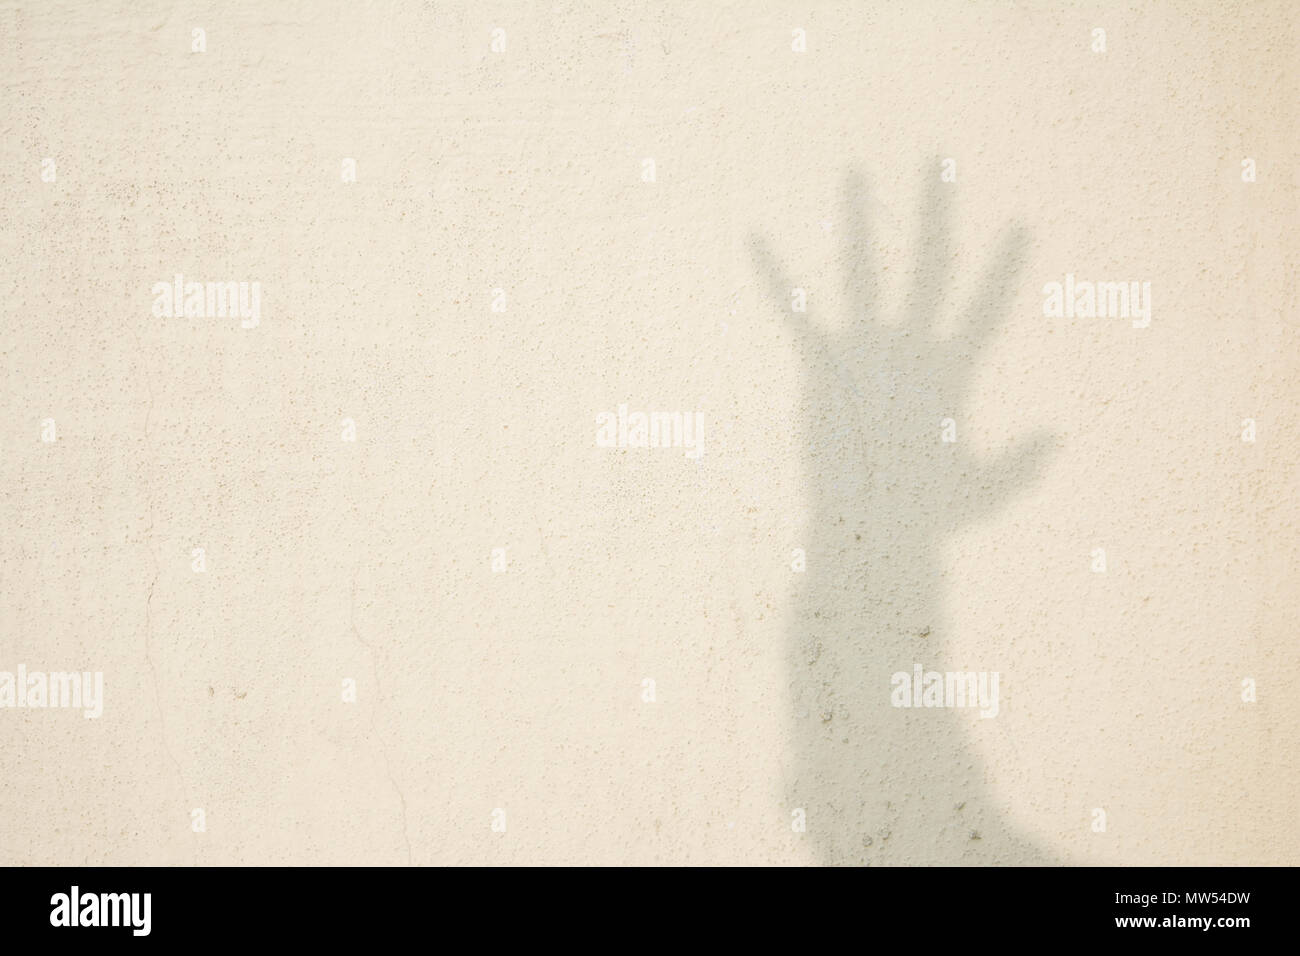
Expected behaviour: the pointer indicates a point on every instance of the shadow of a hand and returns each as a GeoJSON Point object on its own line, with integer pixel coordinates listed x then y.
{"type": "Point", "coordinates": [886, 489]}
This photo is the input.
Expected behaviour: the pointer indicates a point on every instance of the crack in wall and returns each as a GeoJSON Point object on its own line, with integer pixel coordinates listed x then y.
{"type": "Point", "coordinates": [148, 604]}
{"type": "Point", "coordinates": [374, 712]}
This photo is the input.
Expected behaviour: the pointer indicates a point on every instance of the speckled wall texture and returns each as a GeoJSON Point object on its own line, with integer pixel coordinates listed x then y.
{"type": "Point", "coordinates": [697, 432]}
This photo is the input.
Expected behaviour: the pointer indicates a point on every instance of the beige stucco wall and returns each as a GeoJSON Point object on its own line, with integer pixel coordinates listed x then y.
{"type": "Point", "coordinates": [523, 690]}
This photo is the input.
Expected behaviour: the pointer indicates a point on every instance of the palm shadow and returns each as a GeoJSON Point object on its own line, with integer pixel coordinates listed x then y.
{"type": "Point", "coordinates": [881, 784]}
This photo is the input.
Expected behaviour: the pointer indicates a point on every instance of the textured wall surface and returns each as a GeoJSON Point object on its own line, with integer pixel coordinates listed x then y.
{"type": "Point", "coordinates": [366, 581]}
